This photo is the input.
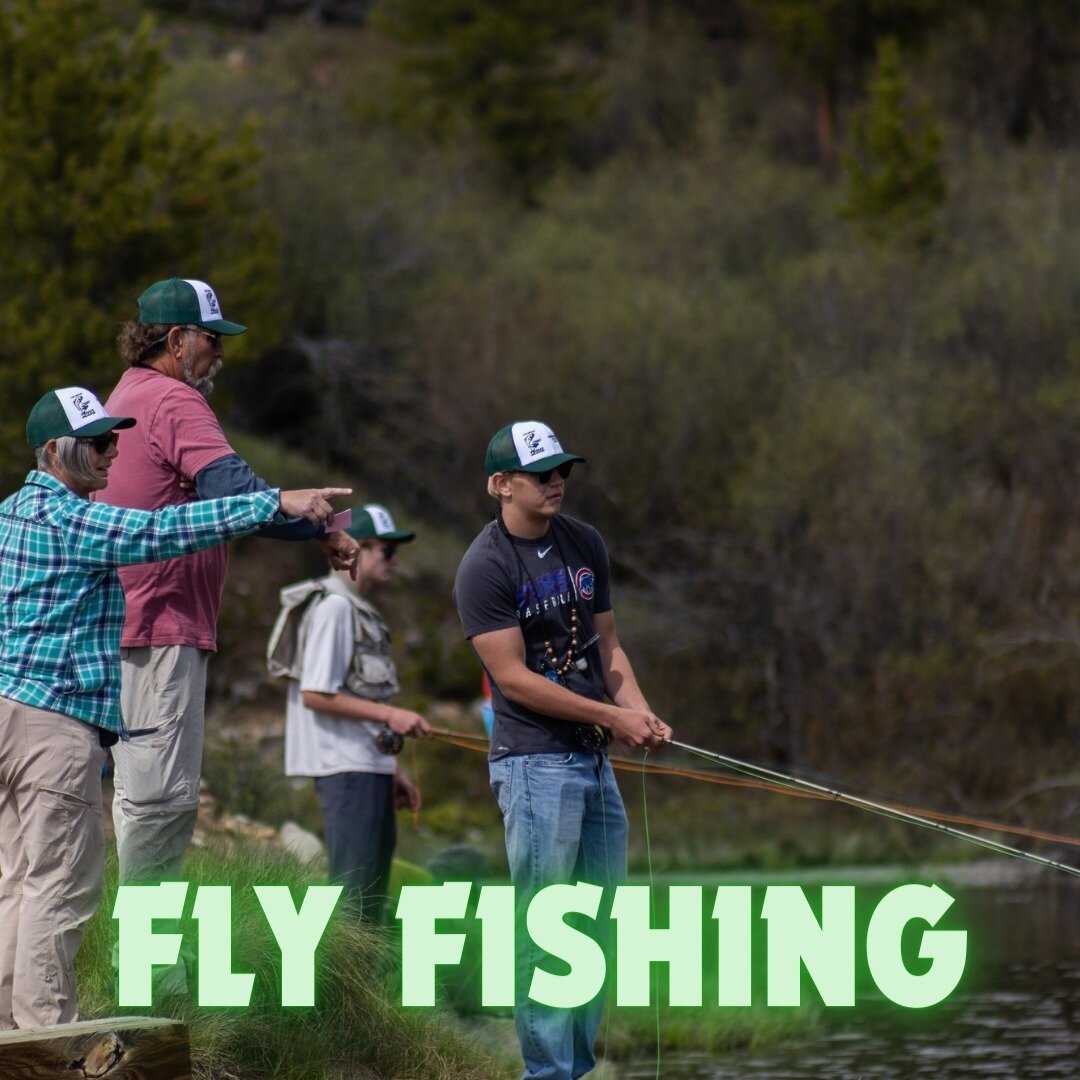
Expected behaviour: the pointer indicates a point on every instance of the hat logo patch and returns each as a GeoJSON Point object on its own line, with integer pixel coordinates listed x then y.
{"type": "Point", "coordinates": [207, 298]}
{"type": "Point", "coordinates": [533, 440]}
{"type": "Point", "coordinates": [85, 408]}
{"type": "Point", "coordinates": [382, 521]}
{"type": "Point", "coordinates": [81, 407]}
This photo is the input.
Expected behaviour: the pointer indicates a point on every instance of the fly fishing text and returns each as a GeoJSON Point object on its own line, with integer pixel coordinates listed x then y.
{"type": "Point", "coordinates": [899, 930]}
{"type": "Point", "coordinates": [794, 938]}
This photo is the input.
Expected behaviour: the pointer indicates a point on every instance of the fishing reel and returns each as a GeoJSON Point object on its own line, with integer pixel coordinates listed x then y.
{"type": "Point", "coordinates": [591, 737]}
{"type": "Point", "coordinates": [389, 742]}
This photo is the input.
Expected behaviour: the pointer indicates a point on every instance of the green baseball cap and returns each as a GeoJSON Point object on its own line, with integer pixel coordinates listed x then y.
{"type": "Point", "coordinates": [74, 410]}
{"type": "Point", "coordinates": [184, 302]}
{"type": "Point", "coordinates": [373, 521]}
{"type": "Point", "coordinates": [526, 446]}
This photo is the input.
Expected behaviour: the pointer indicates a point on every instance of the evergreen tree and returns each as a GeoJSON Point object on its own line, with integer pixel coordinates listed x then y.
{"type": "Point", "coordinates": [828, 41]}
{"type": "Point", "coordinates": [520, 70]}
{"type": "Point", "coordinates": [894, 178]}
{"type": "Point", "coordinates": [98, 198]}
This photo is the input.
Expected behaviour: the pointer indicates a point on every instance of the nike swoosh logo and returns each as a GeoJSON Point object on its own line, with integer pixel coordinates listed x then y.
{"type": "Point", "coordinates": [540, 554]}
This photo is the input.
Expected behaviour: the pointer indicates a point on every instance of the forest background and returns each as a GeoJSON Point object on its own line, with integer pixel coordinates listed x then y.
{"type": "Point", "coordinates": [800, 279]}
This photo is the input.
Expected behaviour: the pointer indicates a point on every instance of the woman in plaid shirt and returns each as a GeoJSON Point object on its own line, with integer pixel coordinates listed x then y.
{"type": "Point", "coordinates": [60, 619]}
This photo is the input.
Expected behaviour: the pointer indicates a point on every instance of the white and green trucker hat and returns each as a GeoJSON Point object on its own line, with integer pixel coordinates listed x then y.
{"type": "Point", "coordinates": [73, 410]}
{"type": "Point", "coordinates": [526, 446]}
{"type": "Point", "coordinates": [184, 302]}
{"type": "Point", "coordinates": [373, 521]}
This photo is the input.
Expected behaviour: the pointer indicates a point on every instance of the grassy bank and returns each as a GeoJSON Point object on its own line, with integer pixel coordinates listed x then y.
{"type": "Point", "coordinates": [355, 1030]}
{"type": "Point", "coordinates": [632, 1035]}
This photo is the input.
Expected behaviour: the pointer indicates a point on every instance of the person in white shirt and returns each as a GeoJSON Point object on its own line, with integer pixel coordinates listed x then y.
{"type": "Point", "coordinates": [339, 725]}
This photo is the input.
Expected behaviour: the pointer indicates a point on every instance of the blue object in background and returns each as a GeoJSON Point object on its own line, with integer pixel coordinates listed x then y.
{"type": "Point", "coordinates": [487, 710]}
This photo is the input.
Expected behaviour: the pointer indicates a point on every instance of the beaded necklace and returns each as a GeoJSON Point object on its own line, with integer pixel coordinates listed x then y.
{"type": "Point", "coordinates": [591, 738]}
{"type": "Point", "coordinates": [559, 671]}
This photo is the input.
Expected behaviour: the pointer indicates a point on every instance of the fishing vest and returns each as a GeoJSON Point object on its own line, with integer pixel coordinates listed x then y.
{"type": "Point", "coordinates": [372, 674]}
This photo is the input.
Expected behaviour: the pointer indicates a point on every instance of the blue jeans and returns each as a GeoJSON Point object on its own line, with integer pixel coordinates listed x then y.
{"type": "Point", "coordinates": [564, 821]}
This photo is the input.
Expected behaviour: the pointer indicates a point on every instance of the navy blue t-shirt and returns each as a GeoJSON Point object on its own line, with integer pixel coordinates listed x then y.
{"type": "Point", "coordinates": [505, 581]}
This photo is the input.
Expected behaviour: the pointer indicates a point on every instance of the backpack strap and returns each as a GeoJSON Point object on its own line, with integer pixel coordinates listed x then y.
{"type": "Point", "coordinates": [284, 651]}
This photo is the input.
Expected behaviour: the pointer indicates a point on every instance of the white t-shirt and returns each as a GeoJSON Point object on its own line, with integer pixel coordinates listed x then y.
{"type": "Point", "coordinates": [317, 744]}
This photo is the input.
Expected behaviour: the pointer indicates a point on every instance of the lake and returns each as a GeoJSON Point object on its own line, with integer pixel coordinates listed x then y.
{"type": "Point", "coordinates": [1016, 1013]}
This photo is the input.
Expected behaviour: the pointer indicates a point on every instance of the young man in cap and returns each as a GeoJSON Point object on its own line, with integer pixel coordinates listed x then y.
{"type": "Point", "coordinates": [59, 679]}
{"type": "Point", "coordinates": [339, 725]}
{"type": "Point", "coordinates": [178, 452]}
{"type": "Point", "coordinates": [533, 592]}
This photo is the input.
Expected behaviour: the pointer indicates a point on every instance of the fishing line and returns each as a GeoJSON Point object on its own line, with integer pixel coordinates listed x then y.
{"type": "Point", "coordinates": [652, 903]}
{"type": "Point", "coordinates": [416, 782]}
{"type": "Point", "coordinates": [786, 780]}
{"type": "Point", "coordinates": [763, 778]}
{"type": "Point", "coordinates": [479, 743]}
{"type": "Point", "coordinates": [598, 760]}
{"type": "Point", "coordinates": [762, 785]}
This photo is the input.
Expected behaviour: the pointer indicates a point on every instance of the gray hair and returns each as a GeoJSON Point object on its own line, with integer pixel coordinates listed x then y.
{"type": "Point", "coordinates": [72, 458]}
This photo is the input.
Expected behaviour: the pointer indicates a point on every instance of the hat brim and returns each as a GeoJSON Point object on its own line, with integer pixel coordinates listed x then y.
{"type": "Point", "coordinates": [223, 326]}
{"type": "Point", "coordinates": [398, 535]}
{"type": "Point", "coordinates": [552, 462]}
{"type": "Point", "coordinates": [105, 424]}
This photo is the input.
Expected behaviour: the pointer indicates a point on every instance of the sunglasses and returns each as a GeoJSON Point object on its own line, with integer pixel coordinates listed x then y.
{"type": "Point", "coordinates": [544, 477]}
{"type": "Point", "coordinates": [102, 443]}
{"type": "Point", "coordinates": [211, 335]}
{"type": "Point", "coordinates": [389, 549]}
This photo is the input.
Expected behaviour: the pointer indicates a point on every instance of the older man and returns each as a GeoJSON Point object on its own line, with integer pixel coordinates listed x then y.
{"type": "Point", "coordinates": [173, 351]}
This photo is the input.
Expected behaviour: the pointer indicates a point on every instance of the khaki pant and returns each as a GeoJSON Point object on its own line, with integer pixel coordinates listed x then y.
{"type": "Point", "coordinates": [156, 772]}
{"type": "Point", "coordinates": [52, 853]}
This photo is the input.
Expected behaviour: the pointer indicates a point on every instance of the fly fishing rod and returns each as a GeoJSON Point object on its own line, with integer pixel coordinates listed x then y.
{"type": "Point", "coordinates": [787, 780]}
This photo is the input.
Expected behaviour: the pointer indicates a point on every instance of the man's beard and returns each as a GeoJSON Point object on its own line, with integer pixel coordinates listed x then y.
{"type": "Point", "coordinates": [205, 385]}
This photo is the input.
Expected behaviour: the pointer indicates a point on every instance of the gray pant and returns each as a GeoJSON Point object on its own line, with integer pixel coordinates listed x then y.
{"type": "Point", "coordinates": [361, 832]}
{"type": "Point", "coordinates": [156, 779]}
{"type": "Point", "coordinates": [52, 859]}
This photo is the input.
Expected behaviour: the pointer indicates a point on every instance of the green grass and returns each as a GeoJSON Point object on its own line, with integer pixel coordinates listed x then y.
{"type": "Point", "coordinates": [632, 1034]}
{"type": "Point", "coordinates": [355, 1029]}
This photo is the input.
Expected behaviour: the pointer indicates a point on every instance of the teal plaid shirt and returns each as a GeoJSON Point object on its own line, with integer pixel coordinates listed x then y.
{"type": "Point", "coordinates": [61, 603]}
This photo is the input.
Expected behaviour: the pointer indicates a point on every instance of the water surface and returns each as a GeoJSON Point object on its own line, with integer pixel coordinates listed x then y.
{"type": "Point", "coordinates": [1016, 1014]}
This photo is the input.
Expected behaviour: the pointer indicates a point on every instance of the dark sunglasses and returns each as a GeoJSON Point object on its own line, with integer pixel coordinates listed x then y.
{"type": "Point", "coordinates": [389, 549]}
{"type": "Point", "coordinates": [101, 443]}
{"type": "Point", "coordinates": [544, 477]}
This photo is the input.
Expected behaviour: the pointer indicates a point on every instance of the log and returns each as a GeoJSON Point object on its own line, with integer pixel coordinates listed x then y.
{"type": "Point", "coordinates": [115, 1048]}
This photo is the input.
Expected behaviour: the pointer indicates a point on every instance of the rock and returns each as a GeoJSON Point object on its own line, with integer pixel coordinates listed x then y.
{"type": "Point", "coordinates": [302, 845]}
